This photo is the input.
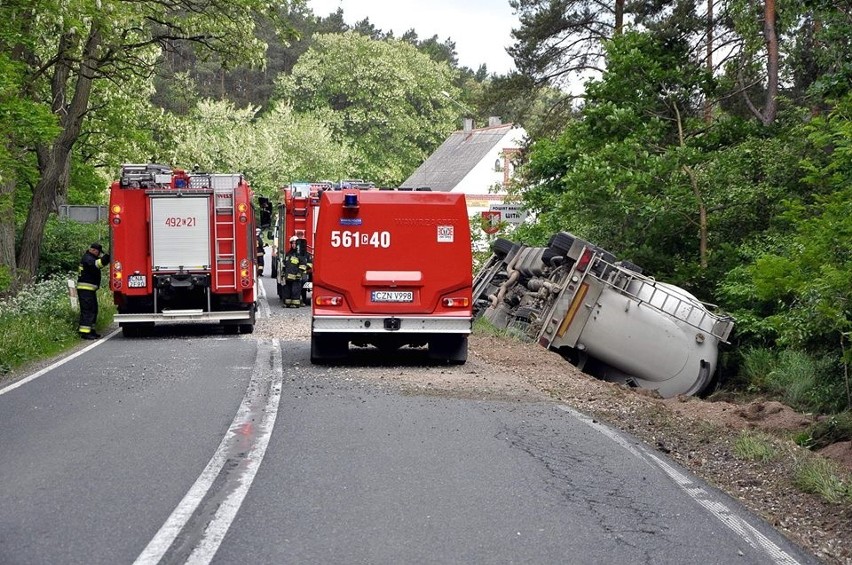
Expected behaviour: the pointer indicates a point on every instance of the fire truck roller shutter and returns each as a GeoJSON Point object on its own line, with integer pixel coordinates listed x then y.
{"type": "Point", "coordinates": [180, 233]}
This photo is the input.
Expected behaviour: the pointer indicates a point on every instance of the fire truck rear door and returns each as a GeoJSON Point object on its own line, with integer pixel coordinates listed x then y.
{"type": "Point", "coordinates": [180, 233]}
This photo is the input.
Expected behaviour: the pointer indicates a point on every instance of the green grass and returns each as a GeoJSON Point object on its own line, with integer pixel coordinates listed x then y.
{"type": "Point", "coordinates": [823, 477]}
{"type": "Point", "coordinates": [39, 322]}
{"type": "Point", "coordinates": [484, 327]}
{"type": "Point", "coordinates": [752, 446]}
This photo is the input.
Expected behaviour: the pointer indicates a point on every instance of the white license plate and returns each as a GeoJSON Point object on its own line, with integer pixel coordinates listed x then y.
{"type": "Point", "coordinates": [137, 281]}
{"type": "Point", "coordinates": [392, 296]}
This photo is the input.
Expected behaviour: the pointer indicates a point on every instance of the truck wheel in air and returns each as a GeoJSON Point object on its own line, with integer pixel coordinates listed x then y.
{"type": "Point", "coordinates": [562, 241]}
{"type": "Point", "coordinates": [328, 347]}
{"type": "Point", "coordinates": [451, 348]}
{"type": "Point", "coordinates": [501, 247]}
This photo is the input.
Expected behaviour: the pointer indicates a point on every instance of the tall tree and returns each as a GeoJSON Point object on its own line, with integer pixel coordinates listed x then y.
{"type": "Point", "coordinates": [384, 98]}
{"type": "Point", "coordinates": [560, 40]}
{"type": "Point", "coordinates": [69, 47]}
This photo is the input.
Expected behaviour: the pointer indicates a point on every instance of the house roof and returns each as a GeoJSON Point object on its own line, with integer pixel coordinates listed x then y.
{"type": "Point", "coordinates": [455, 158]}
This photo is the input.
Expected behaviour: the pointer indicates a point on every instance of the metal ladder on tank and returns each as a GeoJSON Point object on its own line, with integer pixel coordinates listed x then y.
{"type": "Point", "coordinates": [647, 292]}
{"type": "Point", "coordinates": [225, 235]}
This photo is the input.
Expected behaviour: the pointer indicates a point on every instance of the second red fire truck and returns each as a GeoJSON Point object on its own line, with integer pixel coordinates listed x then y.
{"type": "Point", "coordinates": [183, 248]}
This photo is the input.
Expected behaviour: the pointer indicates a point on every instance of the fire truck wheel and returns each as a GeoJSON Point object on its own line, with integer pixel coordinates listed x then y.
{"type": "Point", "coordinates": [325, 348]}
{"type": "Point", "coordinates": [451, 348]}
{"type": "Point", "coordinates": [131, 330]}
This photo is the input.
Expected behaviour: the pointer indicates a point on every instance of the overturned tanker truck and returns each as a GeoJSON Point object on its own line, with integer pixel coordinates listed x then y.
{"type": "Point", "coordinates": [602, 314]}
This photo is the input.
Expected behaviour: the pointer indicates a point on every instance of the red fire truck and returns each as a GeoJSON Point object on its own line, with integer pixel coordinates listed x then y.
{"type": "Point", "coordinates": [391, 269]}
{"type": "Point", "coordinates": [297, 216]}
{"type": "Point", "coordinates": [183, 248]}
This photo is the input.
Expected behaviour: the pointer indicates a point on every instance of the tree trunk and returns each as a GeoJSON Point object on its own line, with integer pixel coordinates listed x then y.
{"type": "Point", "coordinates": [55, 160]}
{"type": "Point", "coordinates": [619, 16]}
{"type": "Point", "coordinates": [8, 265]}
{"type": "Point", "coordinates": [770, 33]}
{"type": "Point", "coordinates": [708, 105]}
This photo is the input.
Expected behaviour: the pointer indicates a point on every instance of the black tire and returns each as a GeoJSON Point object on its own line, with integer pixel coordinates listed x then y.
{"type": "Point", "coordinates": [562, 241]}
{"type": "Point", "coordinates": [451, 348]}
{"type": "Point", "coordinates": [131, 330]}
{"type": "Point", "coordinates": [501, 247]}
{"type": "Point", "coordinates": [328, 347]}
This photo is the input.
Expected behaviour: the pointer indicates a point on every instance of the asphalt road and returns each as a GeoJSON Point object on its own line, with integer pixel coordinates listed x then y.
{"type": "Point", "coordinates": [194, 447]}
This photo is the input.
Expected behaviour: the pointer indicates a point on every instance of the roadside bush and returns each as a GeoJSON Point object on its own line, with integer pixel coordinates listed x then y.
{"type": "Point", "coordinates": [39, 321]}
{"type": "Point", "coordinates": [804, 381]}
{"type": "Point", "coordinates": [827, 431]}
{"type": "Point", "coordinates": [64, 243]}
{"type": "Point", "coordinates": [825, 478]}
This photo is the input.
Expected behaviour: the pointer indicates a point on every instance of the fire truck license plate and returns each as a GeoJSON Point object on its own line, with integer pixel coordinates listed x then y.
{"type": "Point", "coordinates": [136, 281]}
{"type": "Point", "coordinates": [392, 296]}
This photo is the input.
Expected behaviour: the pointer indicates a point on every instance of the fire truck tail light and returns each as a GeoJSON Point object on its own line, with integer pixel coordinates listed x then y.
{"type": "Point", "coordinates": [117, 266]}
{"type": "Point", "coordinates": [117, 275]}
{"type": "Point", "coordinates": [329, 300]}
{"type": "Point", "coordinates": [116, 209]}
{"type": "Point", "coordinates": [244, 264]}
{"type": "Point", "coordinates": [241, 207]}
{"type": "Point", "coordinates": [244, 272]}
{"type": "Point", "coordinates": [456, 302]}
{"type": "Point", "coordinates": [584, 261]}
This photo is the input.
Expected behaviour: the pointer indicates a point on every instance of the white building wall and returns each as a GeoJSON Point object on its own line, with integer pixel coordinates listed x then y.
{"type": "Point", "coordinates": [479, 184]}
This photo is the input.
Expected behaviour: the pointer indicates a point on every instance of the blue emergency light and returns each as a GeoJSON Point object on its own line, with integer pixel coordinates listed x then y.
{"type": "Point", "coordinates": [350, 200]}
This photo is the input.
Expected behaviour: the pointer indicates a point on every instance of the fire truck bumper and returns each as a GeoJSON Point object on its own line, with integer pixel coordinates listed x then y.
{"type": "Point", "coordinates": [392, 324]}
{"type": "Point", "coordinates": [184, 316]}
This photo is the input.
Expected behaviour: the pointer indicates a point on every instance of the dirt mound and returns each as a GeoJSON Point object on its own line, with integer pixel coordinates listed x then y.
{"type": "Point", "coordinates": [763, 415]}
{"type": "Point", "coordinates": [840, 452]}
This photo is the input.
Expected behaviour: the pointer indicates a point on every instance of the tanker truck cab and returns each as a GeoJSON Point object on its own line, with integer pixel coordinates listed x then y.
{"type": "Point", "coordinates": [391, 269]}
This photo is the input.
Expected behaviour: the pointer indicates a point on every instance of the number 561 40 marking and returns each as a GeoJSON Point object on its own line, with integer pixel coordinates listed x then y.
{"type": "Point", "coordinates": [346, 238]}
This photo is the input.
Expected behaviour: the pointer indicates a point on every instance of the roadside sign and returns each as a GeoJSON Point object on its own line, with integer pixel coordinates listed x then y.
{"type": "Point", "coordinates": [491, 221]}
{"type": "Point", "coordinates": [511, 213]}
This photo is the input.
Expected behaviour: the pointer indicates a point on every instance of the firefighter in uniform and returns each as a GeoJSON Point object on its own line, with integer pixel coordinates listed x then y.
{"type": "Point", "coordinates": [88, 281]}
{"type": "Point", "coordinates": [261, 252]}
{"type": "Point", "coordinates": [295, 267]}
{"type": "Point", "coordinates": [309, 267]}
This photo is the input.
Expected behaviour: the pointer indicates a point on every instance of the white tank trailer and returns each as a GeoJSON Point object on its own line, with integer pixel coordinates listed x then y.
{"type": "Point", "coordinates": [603, 315]}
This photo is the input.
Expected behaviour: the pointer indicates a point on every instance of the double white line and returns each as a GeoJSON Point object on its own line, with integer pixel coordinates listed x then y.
{"type": "Point", "coordinates": [254, 422]}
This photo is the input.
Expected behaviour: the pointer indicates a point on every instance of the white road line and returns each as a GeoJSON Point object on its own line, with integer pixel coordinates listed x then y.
{"type": "Point", "coordinates": [737, 524]}
{"type": "Point", "coordinates": [227, 511]}
{"type": "Point", "coordinates": [215, 531]}
{"type": "Point", "coordinates": [59, 363]}
{"type": "Point", "coordinates": [264, 303]}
